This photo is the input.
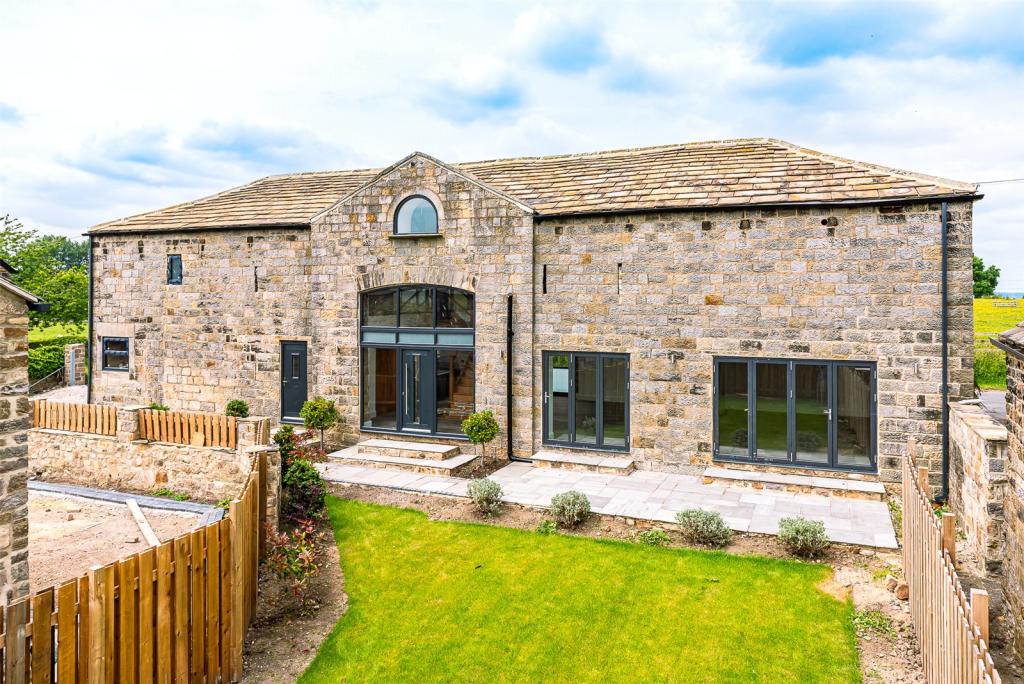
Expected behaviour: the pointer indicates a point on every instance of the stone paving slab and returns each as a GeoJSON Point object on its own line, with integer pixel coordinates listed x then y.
{"type": "Point", "coordinates": [653, 496]}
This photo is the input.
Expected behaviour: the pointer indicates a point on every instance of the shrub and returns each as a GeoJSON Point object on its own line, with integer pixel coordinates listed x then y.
{"type": "Point", "coordinates": [319, 414]}
{"type": "Point", "coordinates": [486, 495]}
{"type": "Point", "coordinates": [157, 406]}
{"type": "Point", "coordinates": [547, 527]}
{"type": "Point", "coordinates": [652, 538]}
{"type": "Point", "coordinates": [481, 428]}
{"type": "Point", "coordinates": [237, 408]}
{"type": "Point", "coordinates": [224, 503]}
{"type": "Point", "coordinates": [45, 359]}
{"type": "Point", "coordinates": [703, 527]}
{"type": "Point", "coordinates": [292, 557]}
{"type": "Point", "coordinates": [803, 537]}
{"type": "Point", "coordinates": [286, 441]}
{"type": "Point", "coordinates": [570, 508]}
{"type": "Point", "coordinates": [303, 491]}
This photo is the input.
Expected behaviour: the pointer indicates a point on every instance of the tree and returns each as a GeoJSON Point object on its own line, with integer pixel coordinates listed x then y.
{"type": "Point", "coordinates": [985, 279]}
{"type": "Point", "coordinates": [481, 428]}
{"type": "Point", "coordinates": [52, 267]}
{"type": "Point", "coordinates": [319, 414]}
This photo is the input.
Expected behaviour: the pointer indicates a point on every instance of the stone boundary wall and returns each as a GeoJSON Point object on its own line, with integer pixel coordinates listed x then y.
{"type": "Point", "coordinates": [978, 482]}
{"type": "Point", "coordinates": [74, 364]}
{"type": "Point", "coordinates": [1013, 564]}
{"type": "Point", "coordinates": [125, 462]}
{"type": "Point", "coordinates": [14, 422]}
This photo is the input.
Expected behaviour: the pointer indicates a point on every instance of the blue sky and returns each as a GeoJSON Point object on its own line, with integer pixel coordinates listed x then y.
{"type": "Point", "coordinates": [109, 109]}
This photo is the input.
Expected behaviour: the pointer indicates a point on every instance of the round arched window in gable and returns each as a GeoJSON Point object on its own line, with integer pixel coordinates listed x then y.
{"type": "Point", "coordinates": [416, 216]}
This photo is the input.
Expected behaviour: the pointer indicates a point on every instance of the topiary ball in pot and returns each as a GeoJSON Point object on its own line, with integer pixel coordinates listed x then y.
{"type": "Point", "coordinates": [237, 408]}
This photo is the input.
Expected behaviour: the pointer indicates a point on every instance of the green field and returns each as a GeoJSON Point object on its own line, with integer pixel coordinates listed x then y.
{"type": "Point", "coordinates": [53, 332]}
{"type": "Point", "coordinates": [433, 601]}
{"type": "Point", "coordinates": [991, 317]}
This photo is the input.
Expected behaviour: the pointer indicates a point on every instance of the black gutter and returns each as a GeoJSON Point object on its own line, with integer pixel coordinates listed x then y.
{"type": "Point", "coordinates": [944, 496]}
{"type": "Point", "coordinates": [894, 201]}
{"type": "Point", "coordinates": [88, 342]}
{"type": "Point", "coordinates": [509, 334]}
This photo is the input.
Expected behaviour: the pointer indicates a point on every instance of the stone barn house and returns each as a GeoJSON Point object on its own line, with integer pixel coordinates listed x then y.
{"type": "Point", "coordinates": [747, 303]}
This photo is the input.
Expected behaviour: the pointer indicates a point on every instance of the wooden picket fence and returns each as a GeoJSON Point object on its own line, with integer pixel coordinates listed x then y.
{"type": "Point", "coordinates": [177, 612]}
{"type": "Point", "coordinates": [952, 629]}
{"type": "Point", "coordinates": [91, 418]}
{"type": "Point", "coordinates": [183, 427]}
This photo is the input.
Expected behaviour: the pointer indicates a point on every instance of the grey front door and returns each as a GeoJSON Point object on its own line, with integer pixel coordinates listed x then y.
{"type": "Point", "coordinates": [293, 380]}
{"type": "Point", "coordinates": [417, 389]}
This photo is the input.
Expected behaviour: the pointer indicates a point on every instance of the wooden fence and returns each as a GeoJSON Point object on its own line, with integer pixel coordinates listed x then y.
{"type": "Point", "coordinates": [952, 630]}
{"type": "Point", "coordinates": [92, 418]}
{"type": "Point", "coordinates": [177, 612]}
{"type": "Point", "coordinates": [181, 427]}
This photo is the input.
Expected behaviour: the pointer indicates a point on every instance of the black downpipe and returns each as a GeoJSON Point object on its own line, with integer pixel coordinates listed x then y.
{"type": "Point", "coordinates": [944, 496]}
{"type": "Point", "coordinates": [88, 342]}
{"type": "Point", "coordinates": [509, 334]}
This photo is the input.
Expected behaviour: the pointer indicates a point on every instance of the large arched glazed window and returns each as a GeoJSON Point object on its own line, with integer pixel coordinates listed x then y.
{"type": "Point", "coordinates": [417, 365]}
{"type": "Point", "coordinates": [416, 216]}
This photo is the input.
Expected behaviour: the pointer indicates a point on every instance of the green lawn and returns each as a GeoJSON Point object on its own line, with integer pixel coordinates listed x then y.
{"type": "Point", "coordinates": [443, 602]}
{"type": "Point", "coordinates": [991, 317]}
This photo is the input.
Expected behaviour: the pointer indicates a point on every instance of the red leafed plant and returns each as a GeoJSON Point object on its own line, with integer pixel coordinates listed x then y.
{"type": "Point", "coordinates": [292, 555]}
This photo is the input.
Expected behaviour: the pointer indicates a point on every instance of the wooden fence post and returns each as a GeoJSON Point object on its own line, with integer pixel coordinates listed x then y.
{"type": "Point", "coordinates": [238, 598]}
{"type": "Point", "coordinates": [949, 536]}
{"type": "Point", "coordinates": [97, 664]}
{"type": "Point", "coordinates": [979, 611]}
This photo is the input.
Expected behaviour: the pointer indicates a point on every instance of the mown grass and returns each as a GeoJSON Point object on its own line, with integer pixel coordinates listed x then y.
{"type": "Point", "coordinates": [991, 317]}
{"type": "Point", "coordinates": [444, 602]}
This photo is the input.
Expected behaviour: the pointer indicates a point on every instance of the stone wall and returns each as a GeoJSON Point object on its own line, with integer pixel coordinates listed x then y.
{"type": "Point", "coordinates": [1013, 564]}
{"type": "Point", "coordinates": [675, 290]}
{"type": "Point", "coordinates": [978, 483]}
{"type": "Point", "coordinates": [213, 338]}
{"type": "Point", "coordinates": [74, 364]}
{"type": "Point", "coordinates": [124, 462]}
{"type": "Point", "coordinates": [14, 422]}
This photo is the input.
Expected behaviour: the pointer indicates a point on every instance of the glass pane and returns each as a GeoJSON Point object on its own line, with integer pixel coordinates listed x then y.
{"type": "Point", "coordinates": [416, 338]}
{"type": "Point", "coordinates": [417, 308]}
{"type": "Point", "coordinates": [115, 344]}
{"type": "Point", "coordinates": [385, 337]}
{"type": "Point", "coordinates": [174, 269]}
{"type": "Point", "coordinates": [733, 437]}
{"type": "Point", "coordinates": [811, 394]}
{"type": "Point", "coordinates": [853, 415]}
{"type": "Point", "coordinates": [586, 400]}
{"type": "Point", "coordinates": [558, 397]}
{"type": "Point", "coordinates": [379, 381]}
{"type": "Point", "coordinates": [416, 215]}
{"type": "Point", "coordinates": [613, 396]}
{"type": "Point", "coordinates": [296, 367]}
{"type": "Point", "coordinates": [379, 308]}
{"type": "Point", "coordinates": [459, 339]}
{"type": "Point", "coordinates": [455, 377]}
{"type": "Point", "coordinates": [454, 309]}
{"type": "Point", "coordinates": [411, 395]}
{"type": "Point", "coordinates": [770, 405]}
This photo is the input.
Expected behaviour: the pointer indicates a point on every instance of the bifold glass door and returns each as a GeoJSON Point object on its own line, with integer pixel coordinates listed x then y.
{"type": "Point", "coordinates": [586, 400]}
{"type": "Point", "coordinates": [804, 413]}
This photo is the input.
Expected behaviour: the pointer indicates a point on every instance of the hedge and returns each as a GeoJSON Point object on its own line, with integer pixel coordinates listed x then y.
{"type": "Point", "coordinates": [44, 360]}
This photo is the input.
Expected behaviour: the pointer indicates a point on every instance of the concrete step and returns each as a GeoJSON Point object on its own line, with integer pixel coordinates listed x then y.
{"type": "Point", "coordinates": [610, 465]}
{"type": "Point", "coordinates": [454, 466]}
{"type": "Point", "coordinates": [399, 449]}
{"type": "Point", "coordinates": [804, 484]}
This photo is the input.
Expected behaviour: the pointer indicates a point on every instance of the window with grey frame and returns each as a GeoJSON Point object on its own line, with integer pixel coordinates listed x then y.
{"type": "Point", "coordinates": [174, 269]}
{"type": "Point", "coordinates": [417, 359]}
{"type": "Point", "coordinates": [114, 353]}
{"type": "Point", "coordinates": [586, 400]}
{"type": "Point", "coordinates": [800, 412]}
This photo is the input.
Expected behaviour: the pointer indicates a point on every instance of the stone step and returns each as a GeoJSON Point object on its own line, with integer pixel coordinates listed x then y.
{"type": "Point", "coordinates": [610, 465]}
{"type": "Point", "coordinates": [455, 466]}
{"type": "Point", "coordinates": [399, 449]}
{"type": "Point", "coordinates": [804, 484]}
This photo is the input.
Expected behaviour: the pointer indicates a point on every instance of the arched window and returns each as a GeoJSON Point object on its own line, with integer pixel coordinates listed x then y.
{"type": "Point", "coordinates": [417, 360]}
{"type": "Point", "coordinates": [416, 216]}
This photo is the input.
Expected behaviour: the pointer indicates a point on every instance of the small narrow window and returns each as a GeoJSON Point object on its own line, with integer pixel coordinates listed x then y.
{"type": "Point", "coordinates": [115, 353]}
{"type": "Point", "coordinates": [174, 269]}
{"type": "Point", "coordinates": [544, 280]}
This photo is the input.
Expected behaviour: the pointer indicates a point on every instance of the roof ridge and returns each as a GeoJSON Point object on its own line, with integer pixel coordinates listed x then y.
{"type": "Point", "coordinates": [622, 150]}
{"type": "Point", "coordinates": [888, 170]}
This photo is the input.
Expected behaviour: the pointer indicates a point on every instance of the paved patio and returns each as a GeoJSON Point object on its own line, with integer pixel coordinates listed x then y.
{"type": "Point", "coordinates": [653, 496]}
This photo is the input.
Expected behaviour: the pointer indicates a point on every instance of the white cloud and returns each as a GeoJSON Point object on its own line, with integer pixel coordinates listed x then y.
{"type": "Point", "coordinates": [120, 107]}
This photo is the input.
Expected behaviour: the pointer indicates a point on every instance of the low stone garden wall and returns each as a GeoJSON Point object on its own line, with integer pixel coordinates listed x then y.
{"type": "Point", "coordinates": [125, 462]}
{"type": "Point", "coordinates": [979, 482]}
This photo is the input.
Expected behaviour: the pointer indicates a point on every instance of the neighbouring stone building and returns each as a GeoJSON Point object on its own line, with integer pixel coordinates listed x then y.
{"type": "Point", "coordinates": [746, 302]}
{"type": "Point", "coordinates": [1012, 342]}
{"type": "Point", "coordinates": [14, 424]}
